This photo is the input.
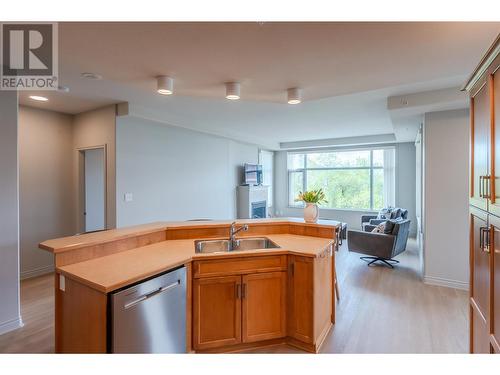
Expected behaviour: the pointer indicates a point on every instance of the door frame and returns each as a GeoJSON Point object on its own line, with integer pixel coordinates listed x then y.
{"type": "Point", "coordinates": [81, 185]}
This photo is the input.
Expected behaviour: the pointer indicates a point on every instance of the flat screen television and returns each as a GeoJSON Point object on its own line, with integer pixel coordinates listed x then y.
{"type": "Point", "coordinates": [253, 174]}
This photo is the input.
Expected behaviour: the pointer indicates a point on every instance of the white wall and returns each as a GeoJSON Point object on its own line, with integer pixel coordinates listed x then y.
{"type": "Point", "coordinates": [175, 173]}
{"type": "Point", "coordinates": [446, 228]}
{"type": "Point", "coordinates": [10, 315]}
{"type": "Point", "coordinates": [96, 128]}
{"type": "Point", "coordinates": [46, 193]}
{"type": "Point", "coordinates": [405, 190]}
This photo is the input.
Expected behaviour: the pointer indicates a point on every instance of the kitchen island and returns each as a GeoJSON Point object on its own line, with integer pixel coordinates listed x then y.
{"type": "Point", "coordinates": [235, 300]}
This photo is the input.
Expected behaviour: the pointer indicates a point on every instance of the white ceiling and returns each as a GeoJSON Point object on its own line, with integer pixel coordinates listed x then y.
{"type": "Point", "coordinates": [346, 70]}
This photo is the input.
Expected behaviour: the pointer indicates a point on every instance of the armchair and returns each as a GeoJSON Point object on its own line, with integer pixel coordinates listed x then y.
{"type": "Point", "coordinates": [380, 247]}
{"type": "Point", "coordinates": [369, 222]}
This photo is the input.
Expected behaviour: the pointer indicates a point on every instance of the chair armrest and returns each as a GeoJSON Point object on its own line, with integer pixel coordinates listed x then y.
{"type": "Point", "coordinates": [367, 218]}
{"type": "Point", "coordinates": [375, 244]}
{"type": "Point", "coordinates": [377, 221]}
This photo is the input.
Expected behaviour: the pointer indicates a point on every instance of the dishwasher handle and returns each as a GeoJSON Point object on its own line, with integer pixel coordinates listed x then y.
{"type": "Point", "coordinates": [151, 294]}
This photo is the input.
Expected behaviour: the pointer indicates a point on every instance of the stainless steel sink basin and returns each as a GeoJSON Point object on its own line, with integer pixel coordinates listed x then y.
{"type": "Point", "coordinates": [212, 246]}
{"type": "Point", "coordinates": [242, 244]}
{"type": "Point", "coordinates": [254, 243]}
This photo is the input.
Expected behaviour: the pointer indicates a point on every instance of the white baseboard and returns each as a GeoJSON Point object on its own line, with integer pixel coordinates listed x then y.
{"type": "Point", "coordinates": [11, 325]}
{"type": "Point", "coordinates": [37, 272]}
{"type": "Point", "coordinates": [430, 280]}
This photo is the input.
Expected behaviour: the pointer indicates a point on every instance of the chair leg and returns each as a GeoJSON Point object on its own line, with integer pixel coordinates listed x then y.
{"type": "Point", "coordinates": [387, 262]}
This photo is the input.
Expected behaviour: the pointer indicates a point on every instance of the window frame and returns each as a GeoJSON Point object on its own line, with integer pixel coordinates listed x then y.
{"type": "Point", "coordinates": [304, 170]}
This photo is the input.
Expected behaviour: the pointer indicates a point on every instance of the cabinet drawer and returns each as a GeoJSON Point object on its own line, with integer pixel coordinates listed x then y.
{"type": "Point", "coordinates": [239, 266]}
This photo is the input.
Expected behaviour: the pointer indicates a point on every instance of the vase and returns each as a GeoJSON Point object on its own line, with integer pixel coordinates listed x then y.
{"type": "Point", "coordinates": [311, 213]}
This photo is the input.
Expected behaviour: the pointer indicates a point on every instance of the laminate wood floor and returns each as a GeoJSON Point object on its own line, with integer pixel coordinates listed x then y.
{"type": "Point", "coordinates": [392, 311]}
{"type": "Point", "coordinates": [380, 311]}
{"type": "Point", "coordinates": [37, 311]}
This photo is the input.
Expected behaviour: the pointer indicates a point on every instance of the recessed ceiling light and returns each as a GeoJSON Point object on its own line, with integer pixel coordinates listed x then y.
{"type": "Point", "coordinates": [89, 75]}
{"type": "Point", "coordinates": [39, 98]}
{"type": "Point", "coordinates": [294, 95]}
{"type": "Point", "coordinates": [63, 88]}
{"type": "Point", "coordinates": [232, 90]}
{"type": "Point", "coordinates": [165, 85]}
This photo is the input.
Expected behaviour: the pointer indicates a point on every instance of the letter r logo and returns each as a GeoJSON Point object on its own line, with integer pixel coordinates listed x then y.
{"type": "Point", "coordinates": [27, 49]}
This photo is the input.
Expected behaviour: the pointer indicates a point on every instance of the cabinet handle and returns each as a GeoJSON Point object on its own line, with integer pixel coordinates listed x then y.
{"type": "Point", "coordinates": [487, 182]}
{"type": "Point", "coordinates": [243, 290]}
{"type": "Point", "coordinates": [238, 291]}
{"type": "Point", "coordinates": [487, 242]}
{"type": "Point", "coordinates": [484, 245]}
{"type": "Point", "coordinates": [480, 186]}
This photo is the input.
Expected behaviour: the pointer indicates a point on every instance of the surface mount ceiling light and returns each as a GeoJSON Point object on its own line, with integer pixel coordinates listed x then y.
{"type": "Point", "coordinates": [232, 90]}
{"type": "Point", "coordinates": [294, 95]}
{"type": "Point", "coordinates": [39, 98]}
{"type": "Point", "coordinates": [165, 85]}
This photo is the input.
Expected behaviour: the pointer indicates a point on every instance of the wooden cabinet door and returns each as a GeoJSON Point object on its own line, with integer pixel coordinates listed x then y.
{"type": "Point", "coordinates": [494, 115]}
{"type": "Point", "coordinates": [480, 146]}
{"type": "Point", "coordinates": [480, 282]}
{"type": "Point", "coordinates": [216, 312]}
{"type": "Point", "coordinates": [495, 283]}
{"type": "Point", "coordinates": [264, 306]}
{"type": "Point", "coordinates": [300, 298]}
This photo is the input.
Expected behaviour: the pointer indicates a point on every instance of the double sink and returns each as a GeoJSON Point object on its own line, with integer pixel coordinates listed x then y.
{"type": "Point", "coordinates": [241, 244]}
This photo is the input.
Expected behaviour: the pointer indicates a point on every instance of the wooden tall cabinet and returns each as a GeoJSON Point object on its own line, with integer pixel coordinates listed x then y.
{"type": "Point", "coordinates": [484, 90]}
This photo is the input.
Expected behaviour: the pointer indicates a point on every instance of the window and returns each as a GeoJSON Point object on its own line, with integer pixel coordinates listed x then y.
{"type": "Point", "coordinates": [351, 179]}
{"type": "Point", "coordinates": [266, 159]}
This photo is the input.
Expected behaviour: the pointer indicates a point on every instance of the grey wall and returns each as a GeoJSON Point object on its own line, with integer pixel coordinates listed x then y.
{"type": "Point", "coordinates": [96, 128]}
{"type": "Point", "coordinates": [446, 229]}
{"type": "Point", "coordinates": [10, 315]}
{"type": "Point", "coordinates": [405, 189]}
{"type": "Point", "coordinates": [95, 189]}
{"type": "Point", "coordinates": [175, 173]}
{"type": "Point", "coordinates": [51, 201]}
{"type": "Point", "coordinates": [406, 181]}
{"type": "Point", "coordinates": [47, 199]}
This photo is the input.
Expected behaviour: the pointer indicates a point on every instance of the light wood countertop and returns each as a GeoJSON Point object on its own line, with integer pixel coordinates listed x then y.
{"type": "Point", "coordinates": [64, 244]}
{"type": "Point", "coordinates": [109, 273]}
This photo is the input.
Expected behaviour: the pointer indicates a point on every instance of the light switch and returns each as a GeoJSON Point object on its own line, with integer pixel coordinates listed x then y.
{"type": "Point", "coordinates": [62, 283]}
{"type": "Point", "coordinates": [129, 197]}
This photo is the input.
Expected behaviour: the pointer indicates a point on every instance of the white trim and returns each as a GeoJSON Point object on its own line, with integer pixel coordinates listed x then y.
{"type": "Point", "coordinates": [438, 281]}
{"type": "Point", "coordinates": [11, 325]}
{"type": "Point", "coordinates": [37, 271]}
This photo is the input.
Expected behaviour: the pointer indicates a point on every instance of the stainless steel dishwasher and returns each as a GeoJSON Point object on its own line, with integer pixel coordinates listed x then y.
{"type": "Point", "coordinates": [150, 317]}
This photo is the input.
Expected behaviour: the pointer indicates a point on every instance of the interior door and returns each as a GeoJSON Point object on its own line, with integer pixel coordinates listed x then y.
{"type": "Point", "coordinates": [95, 189]}
{"type": "Point", "coordinates": [264, 306]}
{"type": "Point", "coordinates": [216, 312]}
{"type": "Point", "coordinates": [480, 281]}
{"type": "Point", "coordinates": [480, 145]}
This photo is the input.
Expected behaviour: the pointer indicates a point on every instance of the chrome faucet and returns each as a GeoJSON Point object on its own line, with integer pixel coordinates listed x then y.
{"type": "Point", "coordinates": [232, 232]}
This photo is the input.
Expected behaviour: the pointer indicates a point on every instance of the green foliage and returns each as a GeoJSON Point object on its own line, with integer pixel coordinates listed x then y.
{"type": "Point", "coordinates": [312, 196]}
{"type": "Point", "coordinates": [346, 185]}
{"type": "Point", "coordinates": [343, 189]}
